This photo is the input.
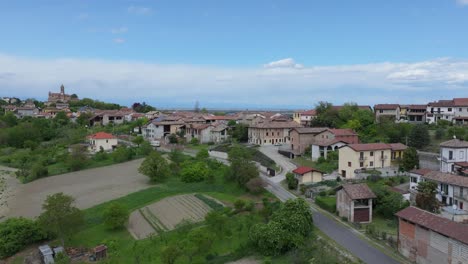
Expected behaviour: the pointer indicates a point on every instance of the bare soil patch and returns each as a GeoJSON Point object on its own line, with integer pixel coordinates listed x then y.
{"type": "Point", "coordinates": [88, 187]}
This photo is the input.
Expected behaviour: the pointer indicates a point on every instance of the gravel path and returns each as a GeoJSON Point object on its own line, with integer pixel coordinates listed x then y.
{"type": "Point", "coordinates": [88, 187]}
{"type": "Point", "coordinates": [8, 185]}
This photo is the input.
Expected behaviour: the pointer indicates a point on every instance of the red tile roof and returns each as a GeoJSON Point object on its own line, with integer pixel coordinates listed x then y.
{"type": "Point", "coordinates": [447, 178]}
{"type": "Point", "coordinates": [462, 164]}
{"type": "Point", "coordinates": [398, 146]}
{"type": "Point", "coordinates": [303, 170]}
{"type": "Point", "coordinates": [436, 223]}
{"type": "Point", "coordinates": [343, 132]}
{"type": "Point", "coordinates": [101, 135]}
{"type": "Point", "coordinates": [455, 143]}
{"type": "Point", "coordinates": [460, 101]}
{"type": "Point", "coordinates": [442, 103]}
{"type": "Point", "coordinates": [369, 146]}
{"type": "Point", "coordinates": [386, 106]}
{"type": "Point", "coordinates": [421, 172]}
{"type": "Point", "coordinates": [358, 191]}
{"type": "Point", "coordinates": [311, 112]}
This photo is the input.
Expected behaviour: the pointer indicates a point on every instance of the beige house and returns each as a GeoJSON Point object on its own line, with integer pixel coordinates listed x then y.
{"type": "Point", "coordinates": [302, 137]}
{"type": "Point", "coordinates": [391, 111]}
{"type": "Point", "coordinates": [359, 157]}
{"type": "Point", "coordinates": [101, 140]}
{"type": "Point", "coordinates": [307, 175]}
{"type": "Point", "coordinates": [271, 131]}
{"type": "Point", "coordinates": [354, 201]}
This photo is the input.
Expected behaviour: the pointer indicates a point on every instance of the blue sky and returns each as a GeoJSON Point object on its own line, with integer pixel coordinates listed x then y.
{"type": "Point", "coordinates": [236, 53]}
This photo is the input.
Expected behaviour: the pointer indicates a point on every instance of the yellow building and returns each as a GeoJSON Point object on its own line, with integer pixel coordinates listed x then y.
{"type": "Point", "coordinates": [308, 175]}
{"type": "Point", "coordinates": [355, 158]}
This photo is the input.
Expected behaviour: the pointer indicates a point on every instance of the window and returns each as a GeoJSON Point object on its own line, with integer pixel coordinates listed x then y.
{"type": "Point", "coordinates": [449, 109]}
{"type": "Point", "coordinates": [450, 155]}
{"type": "Point", "coordinates": [460, 109]}
{"type": "Point", "coordinates": [414, 179]}
{"type": "Point", "coordinates": [462, 154]}
{"type": "Point", "coordinates": [444, 188]}
{"type": "Point", "coordinates": [361, 164]}
{"type": "Point", "coordinates": [349, 164]}
{"type": "Point", "coordinates": [371, 164]}
{"type": "Point", "coordinates": [278, 133]}
{"type": "Point", "coordinates": [461, 191]}
{"type": "Point", "coordinates": [372, 153]}
{"type": "Point", "coordinates": [267, 133]}
{"type": "Point", "coordinates": [107, 141]}
{"type": "Point", "coordinates": [381, 111]}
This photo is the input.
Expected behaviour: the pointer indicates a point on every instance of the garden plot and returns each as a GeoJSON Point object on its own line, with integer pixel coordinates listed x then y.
{"type": "Point", "coordinates": [166, 214]}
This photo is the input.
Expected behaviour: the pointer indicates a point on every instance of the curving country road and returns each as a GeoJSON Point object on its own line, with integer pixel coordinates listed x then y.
{"type": "Point", "coordinates": [346, 237]}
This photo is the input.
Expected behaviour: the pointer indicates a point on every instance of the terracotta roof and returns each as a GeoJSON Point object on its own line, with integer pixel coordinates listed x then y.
{"type": "Point", "coordinates": [219, 128]}
{"type": "Point", "coordinates": [358, 191]}
{"type": "Point", "coordinates": [311, 112]}
{"type": "Point", "coordinates": [447, 178]}
{"type": "Point", "coordinates": [421, 172]}
{"type": "Point", "coordinates": [417, 107]}
{"type": "Point", "coordinates": [219, 117]}
{"type": "Point", "coordinates": [461, 118]}
{"type": "Point", "coordinates": [343, 132]}
{"type": "Point", "coordinates": [369, 146]}
{"type": "Point", "coordinates": [200, 126]}
{"type": "Point", "coordinates": [442, 103]}
{"type": "Point", "coordinates": [101, 135]}
{"type": "Point", "coordinates": [455, 143]}
{"type": "Point", "coordinates": [276, 124]}
{"type": "Point", "coordinates": [462, 164]}
{"type": "Point", "coordinates": [436, 223]}
{"type": "Point", "coordinates": [303, 170]}
{"type": "Point", "coordinates": [460, 101]}
{"type": "Point", "coordinates": [310, 130]}
{"type": "Point", "coordinates": [386, 106]}
{"type": "Point", "coordinates": [398, 146]}
{"type": "Point", "coordinates": [327, 142]}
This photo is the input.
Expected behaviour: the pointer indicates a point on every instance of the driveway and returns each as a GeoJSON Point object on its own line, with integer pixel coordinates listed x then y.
{"type": "Point", "coordinates": [280, 160]}
{"type": "Point", "coordinates": [88, 187]}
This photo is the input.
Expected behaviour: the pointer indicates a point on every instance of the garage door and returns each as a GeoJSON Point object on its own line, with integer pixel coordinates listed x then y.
{"type": "Point", "coordinates": [361, 215]}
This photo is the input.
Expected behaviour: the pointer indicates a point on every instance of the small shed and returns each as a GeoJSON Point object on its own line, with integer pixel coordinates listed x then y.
{"type": "Point", "coordinates": [47, 254]}
{"type": "Point", "coordinates": [100, 252]}
{"type": "Point", "coordinates": [354, 201]}
{"type": "Point", "coordinates": [307, 175]}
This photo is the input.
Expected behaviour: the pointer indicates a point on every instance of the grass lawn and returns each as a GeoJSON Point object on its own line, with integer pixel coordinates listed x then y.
{"type": "Point", "coordinates": [326, 202]}
{"type": "Point", "coordinates": [385, 225]}
{"type": "Point", "coordinates": [327, 167]}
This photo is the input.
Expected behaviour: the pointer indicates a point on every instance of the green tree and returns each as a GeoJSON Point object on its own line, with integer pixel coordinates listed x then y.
{"type": "Point", "coordinates": [426, 196]}
{"type": "Point", "coordinates": [292, 181]}
{"type": "Point", "coordinates": [217, 222]}
{"type": "Point", "coordinates": [240, 132]}
{"type": "Point", "coordinates": [390, 204]}
{"type": "Point", "coordinates": [115, 216]}
{"type": "Point", "coordinates": [83, 119]}
{"type": "Point", "coordinates": [194, 172]}
{"type": "Point", "coordinates": [138, 140]}
{"type": "Point", "coordinates": [77, 159]}
{"type": "Point", "coordinates": [122, 153]}
{"type": "Point", "coordinates": [17, 233]}
{"type": "Point", "coordinates": [60, 217]}
{"type": "Point", "coordinates": [173, 139]}
{"type": "Point", "coordinates": [439, 133]}
{"type": "Point", "coordinates": [410, 159]}
{"type": "Point", "coordinates": [197, 243]}
{"type": "Point", "coordinates": [61, 118]}
{"type": "Point", "coordinates": [419, 136]}
{"type": "Point", "coordinates": [170, 254]}
{"type": "Point", "coordinates": [242, 169]}
{"type": "Point", "coordinates": [10, 119]}
{"type": "Point", "coordinates": [202, 155]}
{"type": "Point", "coordinates": [155, 167]}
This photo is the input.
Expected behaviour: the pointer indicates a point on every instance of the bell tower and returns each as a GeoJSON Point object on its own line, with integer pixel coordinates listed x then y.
{"type": "Point", "coordinates": [62, 89]}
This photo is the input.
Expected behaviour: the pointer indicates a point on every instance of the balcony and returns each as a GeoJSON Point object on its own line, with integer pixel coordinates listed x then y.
{"type": "Point", "coordinates": [362, 158]}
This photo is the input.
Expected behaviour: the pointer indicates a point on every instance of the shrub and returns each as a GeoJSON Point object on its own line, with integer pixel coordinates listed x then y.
{"type": "Point", "coordinates": [239, 205]}
{"type": "Point", "coordinates": [115, 216]}
{"type": "Point", "coordinates": [250, 206]}
{"type": "Point", "coordinates": [255, 185]}
{"type": "Point", "coordinates": [326, 203]}
{"type": "Point", "coordinates": [17, 233]}
{"type": "Point", "coordinates": [292, 181]}
{"type": "Point", "coordinates": [194, 141]}
{"type": "Point", "coordinates": [344, 219]}
{"type": "Point", "coordinates": [338, 179]}
{"type": "Point", "coordinates": [322, 193]}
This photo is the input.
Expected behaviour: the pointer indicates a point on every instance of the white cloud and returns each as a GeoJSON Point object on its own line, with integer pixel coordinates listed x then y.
{"type": "Point", "coordinates": [118, 40]}
{"type": "Point", "coordinates": [284, 63]}
{"type": "Point", "coordinates": [139, 10]}
{"type": "Point", "coordinates": [462, 2]}
{"type": "Point", "coordinates": [120, 30]}
{"type": "Point", "coordinates": [180, 85]}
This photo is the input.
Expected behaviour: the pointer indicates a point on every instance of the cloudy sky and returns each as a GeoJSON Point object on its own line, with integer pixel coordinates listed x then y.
{"type": "Point", "coordinates": [242, 54]}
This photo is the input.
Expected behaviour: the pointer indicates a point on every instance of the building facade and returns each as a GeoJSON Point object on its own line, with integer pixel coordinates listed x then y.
{"type": "Point", "coordinates": [101, 141]}
{"type": "Point", "coordinates": [306, 175]}
{"type": "Point", "coordinates": [354, 201]}
{"type": "Point", "coordinates": [454, 156]}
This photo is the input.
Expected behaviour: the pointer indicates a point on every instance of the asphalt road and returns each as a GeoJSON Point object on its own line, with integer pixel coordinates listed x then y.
{"type": "Point", "coordinates": [346, 237]}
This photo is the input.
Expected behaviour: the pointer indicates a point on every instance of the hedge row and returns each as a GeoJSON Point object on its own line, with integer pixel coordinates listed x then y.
{"type": "Point", "coordinates": [326, 203]}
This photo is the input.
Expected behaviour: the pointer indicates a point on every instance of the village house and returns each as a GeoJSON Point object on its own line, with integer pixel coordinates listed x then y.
{"type": "Point", "coordinates": [452, 193]}
{"type": "Point", "coordinates": [415, 114]}
{"type": "Point", "coordinates": [304, 117]}
{"type": "Point", "coordinates": [201, 132]}
{"type": "Point", "coordinates": [332, 140]}
{"type": "Point", "coordinates": [219, 133]}
{"type": "Point", "coordinates": [424, 237]}
{"type": "Point", "coordinates": [390, 111]}
{"type": "Point", "coordinates": [440, 110]}
{"type": "Point", "coordinates": [101, 141]}
{"type": "Point", "coordinates": [354, 202]}
{"type": "Point", "coordinates": [454, 156]}
{"type": "Point", "coordinates": [302, 137]}
{"type": "Point", "coordinates": [416, 176]}
{"type": "Point", "coordinates": [306, 175]}
{"type": "Point", "coordinates": [357, 158]}
{"type": "Point", "coordinates": [162, 127]}
{"type": "Point", "coordinates": [271, 131]}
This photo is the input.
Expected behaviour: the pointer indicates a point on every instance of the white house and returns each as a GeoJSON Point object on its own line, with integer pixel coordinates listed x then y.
{"type": "Point", "coordinates": [101, 140]}
{"type": "Point", "coordinates": [202, 132]}
{"type": "Point", "coordinates": [440, 110]}
{"type": "Point", "coordinates": [219, 133]}
{"type": "Point", "coordinates": [452, 192]}
{"type": "Point", "coordinates": [416, 176]}
{"type": "Point", "coordinates": [153, 131]}
{"type": "Point", "coordinates": [454, 156]}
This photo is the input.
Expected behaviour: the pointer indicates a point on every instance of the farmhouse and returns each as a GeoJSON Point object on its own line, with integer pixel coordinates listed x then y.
{"type": "Point", "coordinates": [101, 140]}
{"type": "Point", "coordinates": [454, 156]}
{"type": "Point", "coordinates": [354, 201]}
{"type": "Point", "coordinates": [424, 237]}
{"type": "Point", "coordinates": [307, 175]}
